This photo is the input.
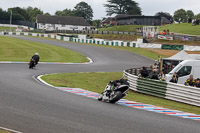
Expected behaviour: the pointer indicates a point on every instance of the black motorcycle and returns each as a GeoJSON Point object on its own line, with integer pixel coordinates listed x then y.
{"type": "Point", "coordinates": [114, 91]}
{"type": "Point", "coordinates": [32, 64]}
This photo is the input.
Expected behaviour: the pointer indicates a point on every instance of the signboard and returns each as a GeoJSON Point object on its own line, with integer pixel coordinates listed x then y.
{"type": "Point", "coordinates": [150, 31]}
{"type": "Point", "coordinates": [165, 37]}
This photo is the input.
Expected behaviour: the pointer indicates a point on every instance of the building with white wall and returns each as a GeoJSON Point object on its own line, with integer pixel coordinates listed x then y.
{"type": "Point", "coordinates": [51, 23]}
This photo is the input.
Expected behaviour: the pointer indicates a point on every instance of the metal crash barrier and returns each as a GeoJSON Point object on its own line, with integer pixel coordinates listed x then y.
{"type": "Point", "coordinates": [162, 89]}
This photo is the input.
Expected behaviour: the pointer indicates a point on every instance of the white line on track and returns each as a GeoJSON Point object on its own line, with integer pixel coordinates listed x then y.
{"type": "Point", "coordinates": [10, 130]}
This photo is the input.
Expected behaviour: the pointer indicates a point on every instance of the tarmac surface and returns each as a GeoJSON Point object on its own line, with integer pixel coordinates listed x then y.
{"type": "Point", "coordinates": [29, 106]}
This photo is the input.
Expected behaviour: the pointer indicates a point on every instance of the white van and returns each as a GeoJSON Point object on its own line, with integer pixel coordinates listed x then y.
{"type": "Point", "coordinates": [184, 70]}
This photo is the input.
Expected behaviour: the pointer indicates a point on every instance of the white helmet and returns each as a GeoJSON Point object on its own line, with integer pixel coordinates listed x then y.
{"type": "Point", "coordinates": [36, 54]}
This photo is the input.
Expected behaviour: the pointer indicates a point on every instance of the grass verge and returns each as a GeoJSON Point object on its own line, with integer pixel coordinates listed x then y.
{"type": "Point", "coordinates": [3, 131]}
{"type": "Point", "coordinates": [7, 28]}
{"type": "Point", "coordinates": [12, 49]}
{"type": "Point", "coordinates": [97, 81]}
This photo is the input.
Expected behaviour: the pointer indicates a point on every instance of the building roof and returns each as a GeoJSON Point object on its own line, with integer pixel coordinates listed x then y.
{"type": "Point", "coordinates": [64, 20]}
{"type": "Point", "coordinates": [107, 20]}
{"type": "Point", "coordinates": [126, 16]}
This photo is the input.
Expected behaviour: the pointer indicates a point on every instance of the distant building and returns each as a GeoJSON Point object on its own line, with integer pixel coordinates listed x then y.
{"type": "Point", "coordinates": [61, 23]}
{"type": "Point", "coordinates": [124, 19]}
{"type": "Point", "coordinates": [107, 21]}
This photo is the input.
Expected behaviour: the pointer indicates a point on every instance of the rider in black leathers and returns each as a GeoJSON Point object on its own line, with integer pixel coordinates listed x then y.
{"type": "Point", "coordinates": [36, 58]}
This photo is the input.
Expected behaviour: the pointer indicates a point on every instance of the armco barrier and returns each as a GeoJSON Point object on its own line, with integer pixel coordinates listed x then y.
{"type": "Point", "coordinates": [151, 87]}
{"type": "Point", "coordinates": [171, 91]}
{"type": "Point", "coordinates": [185, 94]}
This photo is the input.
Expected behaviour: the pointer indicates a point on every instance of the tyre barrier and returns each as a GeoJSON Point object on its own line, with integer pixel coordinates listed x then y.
{"type": "Point", "coordinates": [162, 89]}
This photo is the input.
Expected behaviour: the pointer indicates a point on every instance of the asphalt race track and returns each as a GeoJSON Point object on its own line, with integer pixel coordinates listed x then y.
{"type": "Point", "coordinates": [29, 106]}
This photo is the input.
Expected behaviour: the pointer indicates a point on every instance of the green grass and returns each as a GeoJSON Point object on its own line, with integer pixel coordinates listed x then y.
{"type": "Point", "coordinates": [7, 28]}
{"type": "Point", "coordinates": [183, 28]}
{"type": "Point", "coordinates": [12, 49]}
{"type": "Point", "coordinates": [127, 28]}
{"type": "Point", "coordinates": [3, 131]}
{"type": "Point", "coordinates": [96, 82]}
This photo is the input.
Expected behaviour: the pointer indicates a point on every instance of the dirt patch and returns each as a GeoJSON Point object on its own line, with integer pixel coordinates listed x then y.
{"type": "Point", "coordinates": [115, 37]}
{"type": "Point", "coordinates": [167, 53]}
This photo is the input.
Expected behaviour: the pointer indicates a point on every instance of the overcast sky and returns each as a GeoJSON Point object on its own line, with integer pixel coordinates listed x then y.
{"type": "Point", "coordinates": [149, 7]}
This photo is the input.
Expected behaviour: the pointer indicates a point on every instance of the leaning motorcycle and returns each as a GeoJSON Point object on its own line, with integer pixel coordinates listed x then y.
{"type": "Point", "coordinates": [114, 91]}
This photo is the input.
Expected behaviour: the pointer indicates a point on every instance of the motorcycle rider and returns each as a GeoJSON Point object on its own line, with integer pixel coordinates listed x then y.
{"type": "Point", "coordinates": [113, 84]}
{"type": "Point", "coordinates": [36, 58]}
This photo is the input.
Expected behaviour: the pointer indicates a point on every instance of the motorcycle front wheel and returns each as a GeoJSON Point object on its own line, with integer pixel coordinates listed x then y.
{"type": "Point", "coordinates": [100, 97]}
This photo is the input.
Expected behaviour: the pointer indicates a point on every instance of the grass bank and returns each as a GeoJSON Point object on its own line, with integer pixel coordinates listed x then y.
{"type": "Point", "coordinates": [183, 28]}
{"type": "Point", "coordinates": [12, 49]}
{"type": "Point", "coordinates": [96, 82]}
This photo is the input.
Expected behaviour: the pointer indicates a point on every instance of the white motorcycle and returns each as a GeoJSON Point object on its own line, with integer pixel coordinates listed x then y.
{"type": "Point", "coordinates": [114, 91]}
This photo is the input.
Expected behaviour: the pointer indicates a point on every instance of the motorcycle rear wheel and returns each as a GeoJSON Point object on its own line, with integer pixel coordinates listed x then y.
{"type": "Point", "coordinates": [115, 97]}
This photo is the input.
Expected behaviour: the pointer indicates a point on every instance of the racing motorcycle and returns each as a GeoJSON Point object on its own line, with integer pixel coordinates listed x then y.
{"type": "Point", "coordinates": [32, 64]}
{"type": "Point", "coordinates": [114, 91]}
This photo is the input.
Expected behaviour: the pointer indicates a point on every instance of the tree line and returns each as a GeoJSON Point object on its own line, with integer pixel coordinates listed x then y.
{"type": "Point", "coordinates": [25, 14]}
{"type": "Point", "coordinates": [83, 9]}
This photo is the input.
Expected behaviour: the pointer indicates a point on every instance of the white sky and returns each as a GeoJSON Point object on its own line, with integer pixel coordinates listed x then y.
{"type": "Point", "coordinates": [149, 7]}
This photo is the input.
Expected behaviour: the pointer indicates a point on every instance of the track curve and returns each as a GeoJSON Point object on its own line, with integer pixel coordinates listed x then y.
{"type": "Point", "coordinates": [30, 107]}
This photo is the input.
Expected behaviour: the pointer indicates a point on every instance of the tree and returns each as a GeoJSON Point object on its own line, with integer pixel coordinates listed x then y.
{"type": "Point", "coordinates": [197, 16]}
{"type": "Point", "coordinates": [96, 23]}
{"type": "Point", "coordinates": [180, 14]}
{"type": "Point", "coordinates": [66, 12]}
{"type": "Point", "coordinates": [4, 14]}
{"type": "Point", "coordinates": [20, 12]}
{"type": "Point", "coordinates": [164, 14]}
{"type": "Point", "coordinates": [82, 9]}
{"type": "Point", "coordinates": [122, 7]}
{"type": "Point", "coordinates": [33, 12]}
{"type": "Point", "coordinates": [47, 14]}
{"type": "Point", "coordinates": [190, 14]}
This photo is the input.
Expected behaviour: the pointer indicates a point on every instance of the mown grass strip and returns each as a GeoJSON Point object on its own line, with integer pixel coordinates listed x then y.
{"type": "Point", "coordinates": [12, 49]}
{"type": "Point", "coordinates": [7, 28]}
{"type": "Point", "coordinates": [96, 82]}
